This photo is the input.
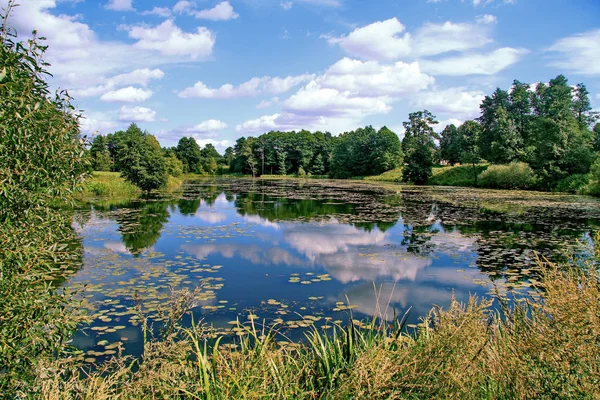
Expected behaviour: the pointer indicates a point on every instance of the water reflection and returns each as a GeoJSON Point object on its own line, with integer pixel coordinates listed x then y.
{"type": "Point", "coordinates": [308, 247]}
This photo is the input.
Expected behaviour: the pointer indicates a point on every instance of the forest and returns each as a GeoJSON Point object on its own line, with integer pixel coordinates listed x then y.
{"type": "Point", "coordinates": [547, 135]}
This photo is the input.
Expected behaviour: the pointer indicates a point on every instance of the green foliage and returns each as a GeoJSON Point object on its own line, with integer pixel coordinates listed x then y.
{"type": "Point", "coordinates": [459, 175]}
{"type": "Point", "coordinates": [42, 161]}
{"type": "Point", "coordinates": [364, 152]}
{"type": "Point", "coordinates": [576, 183]}
{"type": "Point", "coordinates": [469, 134]}
{"type": "Point", "coordinates": [516, 175]}
{"type": "Point", "coordinates": [450, 145]}
{"type": "Point", "coordinates": [43, 156]}
{"type": "Point", "coordinates": [188, 152]}
{"type": "Point", "coordinates": [593, 187]}
{"type": "Point", "coordinates": [174, 165]}
{"type": "Point", "coordinates": [301, 172]}
{"type": "Point", "coordinates": [419, 146]}
{"type": "Point", "coordinates": [142, 161]}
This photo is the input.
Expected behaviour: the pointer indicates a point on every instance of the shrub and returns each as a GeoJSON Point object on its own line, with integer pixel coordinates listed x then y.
{"type": "Point", "coordinates": [301, 172]}
{"type": "Point", "coordinates": [575, 183]}
{"type": "Point", "coordinates": [516, 175]}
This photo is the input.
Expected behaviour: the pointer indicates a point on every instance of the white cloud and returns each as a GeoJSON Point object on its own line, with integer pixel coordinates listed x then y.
{"type": "Point", "coordinates": [129, 94]}
{"type": "Point", "coordinates": [267, 103]}
{"type": "Point", "coordinates": [264, 123]}
{"type": "Point", "coordinates": [315, 100]}
{"type": "Point", "coordinates": [456, 101]}
{"type": "Point", "coordinates": [444, 123]}
{"type": "Point", "coordinates": [97, 122]}
{"type": "Point", "coordinates": [486, 19]}
{"type": "Point", "coordinates": [247, 89]}
{"type": "Point", "coordinates": [136, 77]}
{"type": "Point", "coordinates": [286, 5]}
{"type": "Point", "coordinates": [372, 79]}
{"type": "Point", "coordinates": [221, 12]}
{"type": "Point", "coordinates": [475, 64]}
{"type": "Point", "coordinates": [382, 40]}
{"type": "Point", "coordinates": [168, 39]}
{"type": "Point", "coordinates": [210, 125]}
{"type": "Point", "coordinates": [160, 11]}
{"type": "Point", "coordinates": [183, 6]}
{"type": "Point", "coordinates": [80, 60]}
{"type": "Point", "coordinates": [376, 41]}
{"type": "Point", "coordinates": [579, 53]}
{"type": "Point", "coordinates": [137, 114]}
{"type": "Point", "coordinates": [120, 5]}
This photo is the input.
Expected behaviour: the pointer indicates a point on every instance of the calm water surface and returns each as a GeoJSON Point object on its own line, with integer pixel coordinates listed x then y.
{"type": "Point", "coordinates": [303, 254]}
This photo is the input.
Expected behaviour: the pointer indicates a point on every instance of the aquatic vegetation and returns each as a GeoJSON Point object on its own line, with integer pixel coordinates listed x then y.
{"type": "Point", "coordinates": [533, 347]}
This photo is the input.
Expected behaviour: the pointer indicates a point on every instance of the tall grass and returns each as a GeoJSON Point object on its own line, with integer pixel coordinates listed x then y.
{"type": "Point", "coordinates": [543, 346]}
{"type": "Point", "coordinates": [107, 184]}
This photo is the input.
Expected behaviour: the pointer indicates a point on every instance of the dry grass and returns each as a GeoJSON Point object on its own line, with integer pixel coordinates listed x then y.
{"type": "Point", "coordinates": [545, 346]}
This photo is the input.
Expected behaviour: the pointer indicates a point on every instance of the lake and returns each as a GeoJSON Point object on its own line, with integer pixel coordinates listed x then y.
{"type": "Point", "coordinates": [300, 254]}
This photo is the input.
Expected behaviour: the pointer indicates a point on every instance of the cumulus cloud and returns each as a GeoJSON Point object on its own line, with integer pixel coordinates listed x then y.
{"type": "Point", "coordinates": [455, 101]}
{"type": "Point", "coordinates": [210, 125]}
{"type": "Point", "coordinates": [579, 53]}
{"type": "Point", "coordinates": [168, 39]}
{"type": "Point", "coordinates": [160, 11]}
{"type": "Point", "coordinates": [120, 5]}
{"type": "Point", "coordinates": [136, 114]}
{"type": "Point", "coordinates": [221, 12]}
{"type": "Point", "coordinates": [476, 63]}
{"type": "Point", "coordinates": [79, 59]}
{"type": "Point", "coordinates": [140, 77]}
{"type": "Point", "coordinates": [267, 103]}
{"type": "Point", "coordinates": [129, 94]}
{"type": "Point", "coordinates": [250, 88]}
{"type": "Point", "coordinates": [383, 40]}
{"type": "Point", "coordinates": [486, 19]}
{"type": "Point", "coordinates": [316, 100]}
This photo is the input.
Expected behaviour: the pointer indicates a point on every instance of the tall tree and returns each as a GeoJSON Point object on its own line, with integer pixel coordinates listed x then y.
{"type": "Point", "coordinates": [582, 107]}
{"type": "Point", "coordinates": [596, 137]}
{"type": "Point", "coordinates": [507, 145]}
{"type": "Point", "coordinates": [469, 133]}
{"type": "Point", "coordinates": [142, 160]}
{"type": "Point", "coordinates": [419, 145]}
{"type": "Point", "coordinates": [450, 144]}
{"type": "Point", "coordinates": [189, 153]}
{"type": "Point", "coordinates": [489, 107]}
{"type": "Point", "coordinates": [519, 109]}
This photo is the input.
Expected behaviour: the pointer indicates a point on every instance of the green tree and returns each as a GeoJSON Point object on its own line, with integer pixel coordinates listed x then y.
{"type": "Point", "coordinates": [142, 160]}
{"type": "Point", "coordinates": [596, 137]}
{"type": "Point", "coordinates": [43, 159]}
{"type": "Point", "coordinates": [281, 158]}
{"type": "Point", "coordinates": [450, 144]}
{"type": "Point", "coordinates": [489, 109]}
{"type": "Point", "coordinates": [582, 107]}
{"type": "Point", "coordinates": [318, 166]}
{"type": "Point", "coordinates": [419, 145]}
{"type": "Point", "coordinates": [101, 160]}
{"type": "Point", "coordinates": [520, 108]}
{"type": "Point", "coordinates": [507, 144]}
{"type": "Point", "coordinates": [173, 165]}
{"type": "Point", "coordinates": [469, 133]}
{"type": "Point", "coordinates": [188, 152]}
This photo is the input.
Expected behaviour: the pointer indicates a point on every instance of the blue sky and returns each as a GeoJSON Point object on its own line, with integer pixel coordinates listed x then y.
{"type": "Point", "coordinates": [218, 70]}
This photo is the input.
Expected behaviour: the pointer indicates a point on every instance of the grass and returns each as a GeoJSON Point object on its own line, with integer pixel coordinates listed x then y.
{"type": "Point", "coordinates": [542, 346]}
{"type": "Point", "coordinates": [107, 184]}
{"type": "Point", "coordinates": [460, 175]}
{"type": "Point", "coordinates": [110, 185]}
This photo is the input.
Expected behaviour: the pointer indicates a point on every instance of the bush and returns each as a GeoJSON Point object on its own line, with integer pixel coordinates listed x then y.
{"type": "Point", "coordinates": [575, 183]}
{"type": "Point", "coordinates": [516, 175]}
{"type": "Point", "coordinates": [301, 172]}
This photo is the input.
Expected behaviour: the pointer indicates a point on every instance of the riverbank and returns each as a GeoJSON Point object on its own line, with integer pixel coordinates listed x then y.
{"type": "Point", "coordinates": [532, 348]}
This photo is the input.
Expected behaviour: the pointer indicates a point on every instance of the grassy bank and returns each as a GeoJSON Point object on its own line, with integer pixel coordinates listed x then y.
{"type": "Point", "coordinates": [542, 349]}
{"type": "Point", "coordinates": [103, 185]}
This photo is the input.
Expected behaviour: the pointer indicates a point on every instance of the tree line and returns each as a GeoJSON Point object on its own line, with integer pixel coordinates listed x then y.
{"type": "Point", "coordinates": [547, 127]}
